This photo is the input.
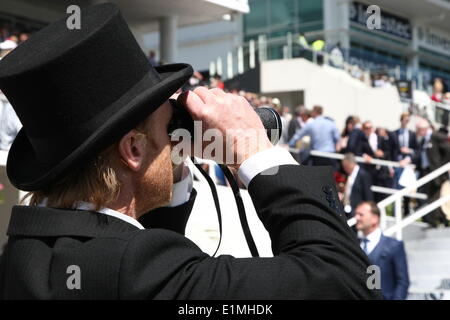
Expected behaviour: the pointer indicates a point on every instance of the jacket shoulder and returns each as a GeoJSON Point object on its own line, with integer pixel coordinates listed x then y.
{"type": "Point", "coordinates": [392, 242]}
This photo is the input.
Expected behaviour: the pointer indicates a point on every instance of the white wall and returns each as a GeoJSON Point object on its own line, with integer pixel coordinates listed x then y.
{"type": "Point", "coordinates": [200, 44]}
{"type": "Point", "coordinates": [335, 90]}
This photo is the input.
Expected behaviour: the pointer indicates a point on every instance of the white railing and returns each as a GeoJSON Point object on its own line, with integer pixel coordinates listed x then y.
{"type": "Point", "coordinates": [438, 105]}
{"type": "Point", "coordinates": [385, 190]}
{"type": "Point", "coordinates": [258, 51]}
{"type": "Point", "coordinates": [397, 195]}
{"type": "Point", "coordinates": [397, 228]}
{"type": "Point", "coordinates": [397, 200]}
{"type": "Point", "coordinates": [358, 159]}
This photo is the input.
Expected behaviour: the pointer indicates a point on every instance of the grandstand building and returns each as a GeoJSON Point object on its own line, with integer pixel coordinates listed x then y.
{"type": "Point", "coordinates": [164, 16]}
{"type": "Point", "coordinates": [172, 23]}
{"type": "Point", "coordinates": [414, 37]}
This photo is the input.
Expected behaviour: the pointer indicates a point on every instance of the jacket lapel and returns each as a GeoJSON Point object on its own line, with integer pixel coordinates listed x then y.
{"type": "Point", "coordinates": [377, 252]}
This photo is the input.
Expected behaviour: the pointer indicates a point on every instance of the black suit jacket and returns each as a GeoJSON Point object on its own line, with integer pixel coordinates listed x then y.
{"type": "Point", "coordinates": [294, 125]}
{"type": "Point", "coordinates": [361, 189]}
{"type": "Point", "coordinates": [412, 144]}
{"type": "Point", "coordinates": [438, 154]}
{"type": "Point", "coordinates": [357, 143]}
{"type": "Point", "coordinates": [316, 255]}
{"type": "Point", "coordinates": [438, 150]}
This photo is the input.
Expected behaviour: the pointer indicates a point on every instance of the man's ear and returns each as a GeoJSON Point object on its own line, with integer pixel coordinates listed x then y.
{"type": "Point", "coordinates": [132, 149]}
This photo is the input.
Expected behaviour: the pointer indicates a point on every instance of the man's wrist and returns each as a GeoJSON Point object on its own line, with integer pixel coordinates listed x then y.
{"type": "Point", "coordinates": [244, 157]}
{"type": "Point", "coordinates": [269, 158]}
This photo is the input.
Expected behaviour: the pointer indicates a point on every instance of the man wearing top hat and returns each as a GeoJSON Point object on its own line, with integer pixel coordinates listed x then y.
{"type": "Point", "coordinates": [105, 203]}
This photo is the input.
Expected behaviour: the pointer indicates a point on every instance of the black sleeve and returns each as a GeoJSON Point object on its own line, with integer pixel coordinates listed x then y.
{"type": "Point", "coordinates": [293, 126]}
{"type": "Point", "coordinates": [316, 255]}
{"type": "Point", "coordinates": [367, 184]}
{"type": "Point", "coordinates": [353, 141]}
{"type": "Point", "coordinates": [413, 141]}
{"type": "Point", "coordinates": [444, 147]}
{"type": "Point", "coordinates": [170, 218]}
{"type": "Point", "coordinates": [394, 146]}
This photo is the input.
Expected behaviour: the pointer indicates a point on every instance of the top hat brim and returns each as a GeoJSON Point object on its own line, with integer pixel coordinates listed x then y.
{"type": "Point", "coordinates": [27, 173]}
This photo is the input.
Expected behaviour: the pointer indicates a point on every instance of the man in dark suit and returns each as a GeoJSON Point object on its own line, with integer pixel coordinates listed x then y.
{"type": "Point", "coordinates": [357, 187]}
{"type": "Point", "coordinates": [385, 252]}
{"type": "Point", "coordinates": [358, 143]}
{"type": "Point", "coordinates": [433, 152]}
{"type": "Point", "coordinates": [300, 119]}
{"type": "Point", "coordinates": [367, 143]}
{"type": "Point", "coordinates": [405, 148]}
{"type": "Point", "coordinates": [295, 123]}
{"type": "Point", "coordinates": [406, 139]}
{"type": "Point", "coordinates": [98, 164]}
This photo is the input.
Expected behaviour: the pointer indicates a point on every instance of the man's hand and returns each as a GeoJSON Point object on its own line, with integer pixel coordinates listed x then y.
{"type": "Point", "coordinates": [405, 150]}
{"type": "Point", "coordinates": [241, 129]}
{"type": "Point", "coordinates": [379, 153]}
{"type": "Point", "coordinates": [367, 158]}
{"type": "Point", "coordinates": [405, 162]}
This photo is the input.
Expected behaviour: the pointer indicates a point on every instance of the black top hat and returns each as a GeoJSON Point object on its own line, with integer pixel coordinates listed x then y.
{"type": "Point", "coordinates": [78, 91]}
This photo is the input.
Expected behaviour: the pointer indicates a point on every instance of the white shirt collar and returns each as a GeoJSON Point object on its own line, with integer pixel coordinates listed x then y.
{"type": "Point", "coordinates": [373, 141]}
{"type": "Point", "coordinates": [373, 240]}
{"type": "Point", "coordinates": [181, 192]}
{"type": "Point", "coordinates": [89, 207]}
{"type": "Point", "coordinates": [354, 173]}
{"type": "Point", "coordinates": [374, 236]}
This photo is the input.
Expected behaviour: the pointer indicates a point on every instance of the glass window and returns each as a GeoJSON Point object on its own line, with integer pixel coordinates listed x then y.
{"type": "Point", "coordinates": [282, 13]}
{"type": "Point", "coordinates": [309, 10]}
{"type": "Point", "coordinates": [275, 52]}
{"type": "Point", "coordinates": [257, 19]}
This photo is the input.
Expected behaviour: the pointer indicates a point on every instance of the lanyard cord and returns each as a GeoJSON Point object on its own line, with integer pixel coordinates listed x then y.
{"type": "Point", "coordinates": [240, 205]}
{"type": "Point", "coordinates": [241, 210]}
{"type": "Point", "coordinates": [212, 186]}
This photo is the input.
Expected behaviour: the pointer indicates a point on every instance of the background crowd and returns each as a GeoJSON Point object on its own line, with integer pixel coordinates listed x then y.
{"type": "Point", "coordinates": [425, 148]}
{"type": "Point", "coordinates": [420, 147]}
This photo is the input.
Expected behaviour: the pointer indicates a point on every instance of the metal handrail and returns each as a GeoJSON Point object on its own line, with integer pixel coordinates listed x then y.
{"type": "Point", "coordinates": [416, 215]}
{"type": "Point", "coordinates": [432, 175]}
{"type": "Point", "coordinates": [340, 156]}
{"type": "Point", "coordinates": [385, 190]}
{"type": "Point", "coordinates": [441, 105]}
{"type": "Point", "coordinates": [396, 198]}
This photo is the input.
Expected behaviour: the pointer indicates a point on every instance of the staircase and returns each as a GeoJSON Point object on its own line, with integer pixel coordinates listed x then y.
{"type": "Point", "coordinates": [428, 255]}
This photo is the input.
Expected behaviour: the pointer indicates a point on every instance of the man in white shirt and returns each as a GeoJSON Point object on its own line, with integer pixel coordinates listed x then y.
{"type": "Point", "coordinates": [385, 252]}
{"type": "Point", "coordinates": [357, 187]}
